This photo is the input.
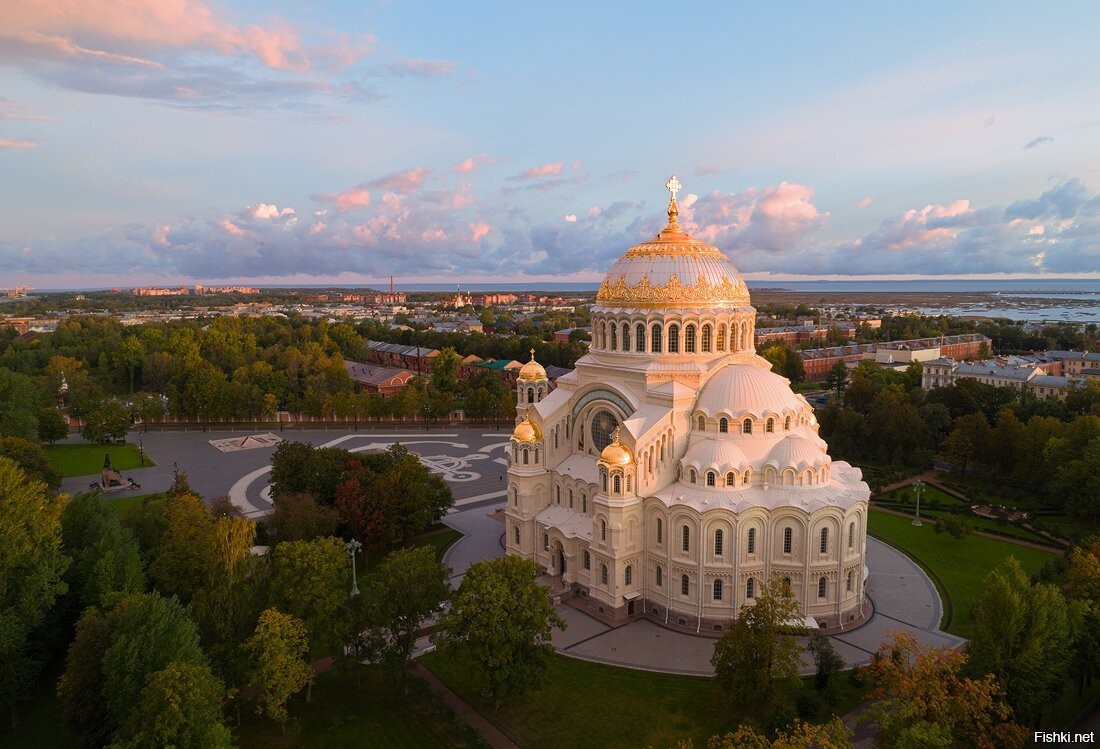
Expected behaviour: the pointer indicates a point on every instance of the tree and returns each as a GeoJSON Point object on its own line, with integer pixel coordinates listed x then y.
{"type": "Point", "coordinates": [106, 561]}
{"type": "Point", "coordinates": [80, 688]}
{"type": "Point", "coordinates": [826, 659]}
{"type": "Point", "coordinates": [837, 378]}
{"type": "Point", "coordinates": [31, 568]}
{"type": "Point", "coordinates": [443, 369]}
{"type": "Point", "coordinates": [298, 517]}
{"type": "Point", "coordinates": [831, 735]}
{"type": "Point", "coordinates": [19, 402]}
{"type": "Point", "coordinates": [408, 587]}
{"type": "Point", "coordinates": [966, 441]}
{"type": "Point", "coordinates": [180, 707]}
{"type": "Point", "coordinates": [924, 700]}
{"type": "Point", "coordinates": [51, 425]}
{"type": "Point", "coordinates": [109, 421]}
{"type": "Point", "coordinates": [757, 648]}
{"type": "Point", "coordinates": [311, 580]}
{"type": "Point", "coordinates": [31, 458]}
{"type": "Point", "coordinates": [785, 360]}
{"type": "Point", "coordinates": [1022, 635]}
{"type": "Point", "coordinates": [500, 623]}
{"type": "Point", "coordinates": [278, 651]}
{"type": "Point", "coordinates": [185, 558]}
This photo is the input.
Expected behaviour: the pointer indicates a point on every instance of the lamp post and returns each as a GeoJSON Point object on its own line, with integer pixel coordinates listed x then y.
{"type": "Point", "coordinates": [141, 448]}
{"type": "Point", "coordinates": [918, 488]}
{"type": "Point", "coordinates": [352, 547]}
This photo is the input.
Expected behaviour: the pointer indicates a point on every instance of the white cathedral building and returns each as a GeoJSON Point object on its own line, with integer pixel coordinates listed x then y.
{"type": "Point", "coordinates": [672, 473]}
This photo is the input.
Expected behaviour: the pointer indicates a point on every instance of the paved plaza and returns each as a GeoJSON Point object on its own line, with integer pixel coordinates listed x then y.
{"type": "Point", "coordinates": [472, 461]}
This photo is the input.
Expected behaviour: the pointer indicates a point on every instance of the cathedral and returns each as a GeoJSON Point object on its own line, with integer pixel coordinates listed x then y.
{"type": "Point", "coordinates": [672, 473]}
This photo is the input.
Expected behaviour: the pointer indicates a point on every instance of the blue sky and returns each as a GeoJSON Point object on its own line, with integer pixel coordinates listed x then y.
{"type": "Point", "coordinates": [143, 141]}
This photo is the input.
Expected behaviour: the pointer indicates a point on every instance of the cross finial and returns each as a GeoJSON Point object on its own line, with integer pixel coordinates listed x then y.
{"type": "Point", "coordinates": [673, 186]}
{"type": "Point", "coordinates": [615, 435]}
{"type": "Point", "coordinates": [532, 354]}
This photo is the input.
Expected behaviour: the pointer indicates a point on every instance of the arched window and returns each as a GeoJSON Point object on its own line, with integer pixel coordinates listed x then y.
{"type": "Point", "coordinates": [530, 395]}
{"type": "Point", "coordinates": [724, 425]}
{"type": "Point", "coordinates": [628, 575]}
{"type": "Point", "coordinates": [851, 579]}
{"type": "Point", "coordinates": [769, 427]}
{"type": "Point", "coordinates": [744, 336]}
{"type": "Point", "coordinates": [674, 339]}
{"type": "Point", "coordinates": [603, 574]}
{"type": "Point", "coordinates": [614, 336]}
{"type": "Point", "coordinates": [851, 534]}
{"type": "Point", "coordinates": [718, 539]}
{"type": "Point", "coordinates": [824, 541]}
{"type": "Point", "coordinates": [557, 495]}
{"type": "Point", "coordinates": [603, 479]}
{"type": "Point", "coordinates": [787, 424]}
{"type": "Point", "coordinates": [718, 590]}
{"type": "Point", "coordinates": [660, 531]}
{"type": "Point", "coordinates": [706, 339]}
{"type": "Point", "coordinates": [689, 339]}
{"type": "Point", "coordinates": [750, 588]}
{"type": "Point", "coordinates": [750, 545]}
{"type": "Point", "coordinates": [685, 538]}
{"type": "Point", "coordinates": [515, 534]}
{"type": "Point", "coordinates": [655, 339]}
{"type": "Point", "coordinates": [526, 455]}
{"type": "Point", "coordinates": [639, 338]}
{"type": "Point", "coordinates": [788, 540]}
{"type": "Point", "coordinates": [710, 478]}
{"type": "Point", "coordinates": [515, 495]}
{"type": "Point", "coordinates": [660, 577]}
{"type": "Point", "coordinates": [746, 426]}
{"type": "Point", "coordinates": [603, 530]}
{"type": "Point", "coordinates": [545, 541]}
{"type": "Point", "coordinates": [821, 587]}
{"type": "Point", "coordinates": [701, 423]}
{"type": "Point", "coordinates": [584, 503]}
{"type": "Point", "coordinates": [536, 455]}
{"type": "Point", "coordinates": [693, 475]}
{"type": "Point", "coordinates": [570, 499]}
{"type": "Point", "coordinates": [617, 483]}
{"type": "Point", "coordinates": [587, 560]}
{"type": "Point", "coordinates": [685, 585]}
{"type": "Point", "coordinates": [626, 337]}
{"type": "Point", "coordinates": [722, 337]}
{"type": "Point", "coordinates": [731, 478]}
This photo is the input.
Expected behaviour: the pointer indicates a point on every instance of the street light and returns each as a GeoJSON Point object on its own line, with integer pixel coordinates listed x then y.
{"type": "Point", "coordinates": [141, 448]}
{"type": "Point", "coordinates": [918, 488]}
{"type": "Point", "coordinates": [352, 547]}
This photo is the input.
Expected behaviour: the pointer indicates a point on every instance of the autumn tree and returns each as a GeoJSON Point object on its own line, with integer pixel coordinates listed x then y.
{"type": "Point", "coordinates": [180, 707]}
{"type": "Point", "coordinates": [31, 569]}
{"type": "Point", "coordinates": [758, 647]}
{"type": "Point", "coordinates": [1022, 635]}
{"type": "Point", "coordinates": [297, 516]}
{"type": "Point", "coordinates": [278, 652]}
{"type": "Point", "coordinates": [922, 698]}
{"type": "Point", "coordinates": [500, 622]}
{"type": "Point", "coordinates": [31, 459]}
{"type": "Point", "coordinates": [408, 587]}
{"type": "Point", "coordinates": [831, 735]}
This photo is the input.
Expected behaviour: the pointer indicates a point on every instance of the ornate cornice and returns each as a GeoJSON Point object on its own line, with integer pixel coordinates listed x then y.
{"type": "Point", "coordinates": [674, 293]}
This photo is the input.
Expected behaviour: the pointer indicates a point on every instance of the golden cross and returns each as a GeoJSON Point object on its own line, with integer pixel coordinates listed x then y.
{"type": "Point", "coordinates": [673, 186]}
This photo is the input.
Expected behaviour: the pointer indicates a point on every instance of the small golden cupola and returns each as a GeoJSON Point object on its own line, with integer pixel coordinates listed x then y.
{"type": "Point", "coordinates": [616, 454]}
{"type": "Point", "coordinates": [532, 371]}
{"type": "Point", "coordinates": [526, 430]}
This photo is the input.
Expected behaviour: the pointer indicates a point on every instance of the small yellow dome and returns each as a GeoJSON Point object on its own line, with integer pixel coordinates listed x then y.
{"type": "Point", "coordinates": [532, 371]}
{"type": "Point", "coordinates": [617, 454]}
{"type": "Point", "coordinates": [525, 431]}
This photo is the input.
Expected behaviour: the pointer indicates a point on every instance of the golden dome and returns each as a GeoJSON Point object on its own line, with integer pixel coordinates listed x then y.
{"type": "Point", "coordinates": [526, 431]}
{"type": "Point", "coordinates": [616, 454]}
{"type": "Point", "coordinates": [673, 270]}
{"type": "Point", "coordinates": [532, 371]}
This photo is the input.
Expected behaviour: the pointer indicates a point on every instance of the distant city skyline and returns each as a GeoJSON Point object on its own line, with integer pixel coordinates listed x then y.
{"type": "Point", "coordinates": [145, 143]}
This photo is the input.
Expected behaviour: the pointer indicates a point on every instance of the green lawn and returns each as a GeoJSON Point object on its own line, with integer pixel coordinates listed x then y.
{"type": "Point", "coordinates": [583, 704]}
{"type": "Point", "coordinates": [371, 716]}
{"type": "Point", "coordinates": [959, 567]}
{"type": "Point", "coordinates": [86, 460]}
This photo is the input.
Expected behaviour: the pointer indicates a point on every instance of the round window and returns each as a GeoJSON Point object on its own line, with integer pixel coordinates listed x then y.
{"type": "Point", "coordinates": [603, 427]}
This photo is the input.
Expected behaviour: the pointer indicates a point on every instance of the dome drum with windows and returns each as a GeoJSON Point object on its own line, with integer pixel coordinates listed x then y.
{"type": "Point", "coordinates": [672, 472]}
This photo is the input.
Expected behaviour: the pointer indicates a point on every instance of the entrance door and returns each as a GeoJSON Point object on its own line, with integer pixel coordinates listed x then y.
{"type": "Point", "coordinates": [630, 608]}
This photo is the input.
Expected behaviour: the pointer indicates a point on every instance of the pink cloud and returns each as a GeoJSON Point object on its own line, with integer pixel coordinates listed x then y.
{"type": "Point", "coordinates": [346, 200]}
{"type": "Point", "coordinates": [474, 163]}
{"type": "Point", "coordinates": [480, 230]}
{"type": "Point", "coordinates": [407, 181]}
{"type": "Point", "coordinates": [864, 202]}
{"type": "Point", "coordinates": [230, 228]}
{"type": "Point", "coordinates": [16, 144]}
{"type": "Point", "coordinates": [552, 169]}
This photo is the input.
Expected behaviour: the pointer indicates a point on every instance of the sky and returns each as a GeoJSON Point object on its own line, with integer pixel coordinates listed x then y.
{"type": "Point", "coordinates": [293, 142]}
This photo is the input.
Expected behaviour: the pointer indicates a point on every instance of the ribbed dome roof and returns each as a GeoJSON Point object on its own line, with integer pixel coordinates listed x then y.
{"type": "Point", "coordinates": [526, 431]}
{"type": "Point", "coordinates": [532, 371]}
{"type": "Point", "coordinates": [673, 270]}
{"type": "Point", "coordinates": [617, 454]}
{"type": "Point", "coordinates": [797, 452]}
{"type": "Point", "coordinates": [722, 455]}
{"type": "Point", "coordinates": [746, 388]}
